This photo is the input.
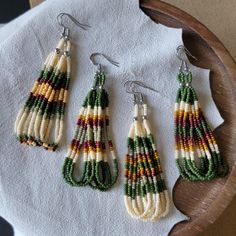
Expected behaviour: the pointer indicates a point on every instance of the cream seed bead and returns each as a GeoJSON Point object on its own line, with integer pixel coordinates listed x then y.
{"type": "Point", "coordinates": [176, 154]}
{"type": "Point", "coordinates": [53, 60]}
{"type": "Point", "coordinates": [128, 206]}
{"type": "Point", "coordinates": [49, 128]}
{"type": "Point", "coordinates": [85, 157]}
{"type": "Point", "coordinates": [181, 107]}
{"type": "Point", "coordinates": [182, 152]}
{"type": "Point", "coordinates": [146, 127]}
{"type": "Point", "coordinates": [187, 155]}
{"type": "Point", "coordinates": [68, 66]}
{"type": "Point", "coordinates": [191, 155]}
{"type": "Point", "coordinates": [61, 43]}
{"type": "Point", "coordinates": [92, 155]}
{"type": "Point", "coordinates": [46, 62]}
{"type": "Point", "coordinates": [176, 106]}
{"type": "Point", "coordinates": [43, 127]}
{"type": "Point", "coordinates": [135, 208]}
{"type": "Point", "coordinates": [186, 107]}
{"type": "Point", "coordinates": [136, 110]}
{"type": "Point", "coordinates": [167, 203]}
{"type": "Point", "coordinates": [131, 131]}
{"type": "Point", "coordinates": [59, 132]}
{"type": "Point", "coordinates": [196, 106]}
{"type": "Point", "coordinates": [145, 110]}
{"type": "Point", "coordinates": [99, 156]}
{"type": "Point", "coordinates": [21, 122]}
{"type": "Point", "coordinates": [27, 122]}
{"type": "Point", "coordinates": [18, 118]}
{"type": "Point", "coordinates": [37, 124]}
{"type": "Point", "coordinates": [31, 124]}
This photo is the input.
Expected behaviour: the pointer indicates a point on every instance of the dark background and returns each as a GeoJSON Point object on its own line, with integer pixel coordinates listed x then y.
{"type": "Point", "coordinates": [10, 9]}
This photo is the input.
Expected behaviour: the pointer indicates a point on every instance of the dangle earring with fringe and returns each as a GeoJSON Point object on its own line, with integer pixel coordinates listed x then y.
{"type": "Point", "coordinates": [146, 196]}
{"type": "Point", "coordinates": [40, 121]}
{"type": "Point", "coordinates": [196, 151]}
{"type": "Point", "coordinates": [93, 139]}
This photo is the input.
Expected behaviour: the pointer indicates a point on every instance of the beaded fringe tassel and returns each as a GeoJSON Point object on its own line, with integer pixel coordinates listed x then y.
{"type": "Point", "coordinates": [44, 110]}
{"type": "Point", "coordinates": [196, 151]}
{"type": "Point", "coordinates": [146, 196]}
{"type": "Point", "coordinates": [92, 135]}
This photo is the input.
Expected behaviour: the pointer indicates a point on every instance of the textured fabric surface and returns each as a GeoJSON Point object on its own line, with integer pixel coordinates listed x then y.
{"type": "Point", "coordinates": [33, 195]}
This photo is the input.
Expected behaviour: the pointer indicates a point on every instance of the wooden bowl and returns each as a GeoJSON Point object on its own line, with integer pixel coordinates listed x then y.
{"type": "Point", "coordinates": [203, 202]}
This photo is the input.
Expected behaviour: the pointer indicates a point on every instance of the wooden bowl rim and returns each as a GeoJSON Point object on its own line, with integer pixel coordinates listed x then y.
{"type": "Point", "coordinates": [228, 191]}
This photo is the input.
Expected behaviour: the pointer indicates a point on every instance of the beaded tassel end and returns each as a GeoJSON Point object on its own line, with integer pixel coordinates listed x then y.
{"type": "Point", "coordinates": [146, 196]}
{"type": "Point", "coordinates": [92, 138]}
{"type": "Point", "coordinates": [197, 153]}
{"type": "Point", "coordinates": [44, 110]}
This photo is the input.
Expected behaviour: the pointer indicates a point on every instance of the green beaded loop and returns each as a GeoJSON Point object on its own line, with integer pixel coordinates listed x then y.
{"type": "Point", "coordinates": [92, 133]}
{"type": "Point", "coordinates": [191, 128]}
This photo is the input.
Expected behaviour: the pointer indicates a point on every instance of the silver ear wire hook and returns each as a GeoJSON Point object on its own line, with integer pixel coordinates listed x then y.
{"type": "Point", "coordinates": [130, 88]}
{"type": "Point", "coordinates": [99, 66]}
{"type": "Point", "coordinates": [181, 49]}
{"type": "Point", "coordinates": [66, 29]}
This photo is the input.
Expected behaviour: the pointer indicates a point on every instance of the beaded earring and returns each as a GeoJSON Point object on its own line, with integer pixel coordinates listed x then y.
{"type": "Point", "coordinates": [146, 196]}
{"type": "Point", "coordinates": [92, 136]}
{"type": "Point", "coordinates": [44, 110]}
{"type": "Point", "coordinates": [196, 151]}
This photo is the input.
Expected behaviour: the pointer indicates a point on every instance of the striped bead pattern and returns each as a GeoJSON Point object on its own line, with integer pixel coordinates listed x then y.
{"type": "Point", "coordinates": [146, 196]}
{"type": "Point", "coordinates": [93, 139]}
{"type": "Point", "coordinates": [196, 151]}
{"type": "Point", "coordinates": [44, 110]}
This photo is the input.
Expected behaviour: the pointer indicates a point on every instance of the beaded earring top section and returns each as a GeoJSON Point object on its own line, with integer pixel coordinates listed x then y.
{"type": "Point", "coordinates": [146, 196]}
{"type": "Point", "coordinates": [92, 138]}
{"type": "Point", "coordinates": [40, 122]}
{"type": "Point", "coordinates": [196, 150]}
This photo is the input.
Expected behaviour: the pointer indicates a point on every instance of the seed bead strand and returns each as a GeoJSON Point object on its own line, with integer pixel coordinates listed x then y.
{"type": "Point", "coordinates": [194, 137]}
{"type": "Point", "coordinates": [161, 207]}
{"type": "Point", "coordinates": [60, 86]}
{"type": "Point", "coordinates": [92, 135]}
{"type": "Point", "coordinates": [42, 112]}
{"type": "Point", "coordinates": [182, 128]}
{"type": "Point", "coordinates": [34, 140]}
{"type": "Point", "coordinates": [80, 141]}
{"type": "Point", "coordinates": [74, 150]}
{"type": "Point", "coordinates": [28, 116]}
{"type": "Point", "coordinates": [146, 197]}
{"type": "Point", "coordinates": [129, 176]}
{"type": "Point", "coordinates": [26, 110]}
{"type": "Point", "coordinates": [103, 180]}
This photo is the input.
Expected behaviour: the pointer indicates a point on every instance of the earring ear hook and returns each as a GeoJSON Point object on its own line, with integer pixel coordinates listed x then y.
{"type": "Point", "coordinates": [180, 51]}
{"type": "Point", "coordinates": [92, 59]}
{"type": "Point", "coordinates": [129, 88]}
{"type": "Point", "coordinates": [66, 29]}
